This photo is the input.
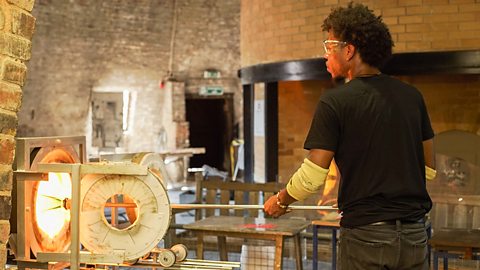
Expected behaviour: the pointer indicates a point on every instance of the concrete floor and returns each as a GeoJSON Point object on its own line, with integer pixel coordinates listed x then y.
{"type": "Point", "coordinates": [288, 263]}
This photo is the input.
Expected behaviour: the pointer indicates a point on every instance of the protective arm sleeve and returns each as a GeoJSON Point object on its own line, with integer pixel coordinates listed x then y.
{"type": "Point", "coordinates": [430, 173]}
{"type": "Point", "coordinates": [307, 180]}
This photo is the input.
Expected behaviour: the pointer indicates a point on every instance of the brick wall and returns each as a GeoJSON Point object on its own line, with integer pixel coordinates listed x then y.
{"type": "Point", "coordinates": [282, 30]}
{"type": "Point", "coordinates": [90, 45]}
{"type": "Point", "coordinates": [16, 31]}
{"type": "Point", "coordinates": [278, 30]}
{"type": "Point", "coordinates": [296, 102]}
{"type": "Point", "coordinates": [453, 101]}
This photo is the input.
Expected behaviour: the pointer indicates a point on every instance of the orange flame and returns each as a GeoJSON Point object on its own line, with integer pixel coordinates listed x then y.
{"type": "Point", "coordinates": [49, 210]}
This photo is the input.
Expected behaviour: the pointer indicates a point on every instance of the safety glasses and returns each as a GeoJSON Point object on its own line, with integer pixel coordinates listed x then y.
{"type": "Point", "coordinates": [330, 45]}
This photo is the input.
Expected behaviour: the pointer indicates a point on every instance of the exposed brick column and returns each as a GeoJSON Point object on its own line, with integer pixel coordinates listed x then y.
{"type": "Point", "coordinates": [16, 30]}
{"type": "Point", "coordinates": [179, 115]}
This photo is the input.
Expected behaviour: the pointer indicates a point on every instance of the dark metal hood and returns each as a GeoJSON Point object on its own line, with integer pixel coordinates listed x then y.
{"type": "Point", "coordinates": [447, 62]}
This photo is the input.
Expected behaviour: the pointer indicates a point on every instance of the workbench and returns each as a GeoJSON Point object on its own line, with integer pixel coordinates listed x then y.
{"type": "Point", "coordinates": [248, 227]}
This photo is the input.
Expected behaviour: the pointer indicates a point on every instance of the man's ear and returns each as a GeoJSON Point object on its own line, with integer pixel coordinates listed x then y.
{"type": "Point", "coordinates": [350, 52]}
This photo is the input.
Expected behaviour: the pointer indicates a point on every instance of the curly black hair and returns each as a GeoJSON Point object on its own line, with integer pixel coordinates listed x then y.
{"type": "Point", "coordinates": [357, 25]}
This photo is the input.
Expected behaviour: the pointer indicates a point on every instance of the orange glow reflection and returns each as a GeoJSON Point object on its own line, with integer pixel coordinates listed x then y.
{"type": "Point", "coordinates": [50, 213]}
{"type": "Point", "coordinates": [330, 192]}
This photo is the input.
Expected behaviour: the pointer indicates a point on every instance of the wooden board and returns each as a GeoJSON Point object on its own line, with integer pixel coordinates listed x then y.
{"type": "Point", "coordinates": [456, 238]}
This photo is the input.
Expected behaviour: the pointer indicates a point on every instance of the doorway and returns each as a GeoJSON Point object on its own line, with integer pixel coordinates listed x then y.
{"type": "Point", "coordinates": [211, 126]}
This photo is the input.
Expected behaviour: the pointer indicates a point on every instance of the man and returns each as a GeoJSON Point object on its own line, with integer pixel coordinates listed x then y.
{"type": "Point", "coordinates": [379, 132]}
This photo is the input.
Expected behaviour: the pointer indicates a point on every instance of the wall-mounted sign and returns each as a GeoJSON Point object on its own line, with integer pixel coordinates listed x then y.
{"type": "Point", "coordinates": [211, 91]}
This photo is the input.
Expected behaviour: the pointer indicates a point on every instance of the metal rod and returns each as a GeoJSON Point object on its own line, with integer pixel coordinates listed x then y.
{"type": "Point", "coordinates": [246, 206]}
{"type": "Point", "coordinates": [192, 261]}
{"type": "Point", "coordinates": [118, 205]}
{"type": "Point", "coordinates": [190, 264]}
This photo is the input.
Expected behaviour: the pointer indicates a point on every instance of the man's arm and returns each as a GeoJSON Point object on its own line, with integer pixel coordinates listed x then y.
{"type": "Point", "coordinates": [322, 158]}
{"type": "Point", "coordinates": [277, 205]}
{"type": "Point", "coordinates": [429, 156]}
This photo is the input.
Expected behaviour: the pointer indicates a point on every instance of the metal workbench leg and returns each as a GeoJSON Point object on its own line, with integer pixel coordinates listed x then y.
{"type": "Point", "coordinates": [429, 247]}
{"type": "Point", "coordinates": [315, 248]}
{"type": "Point", "coordinates": [334, 248]}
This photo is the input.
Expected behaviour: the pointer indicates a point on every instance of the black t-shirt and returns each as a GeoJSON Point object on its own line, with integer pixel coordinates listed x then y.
{"type": "Point", "coordinates": [375, 126]}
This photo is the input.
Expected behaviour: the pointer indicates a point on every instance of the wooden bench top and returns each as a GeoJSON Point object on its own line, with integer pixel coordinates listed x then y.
{"type": "Point", "coordinates": [234, 224]}
{"type": "Point", "coordinates": [326, 223]}
{"type": "Point", "coordinates": [456, 238]}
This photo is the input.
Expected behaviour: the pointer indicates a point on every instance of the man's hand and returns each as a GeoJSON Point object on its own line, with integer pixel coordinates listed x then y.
{"type": "Point", "coordinates": [272, 208]}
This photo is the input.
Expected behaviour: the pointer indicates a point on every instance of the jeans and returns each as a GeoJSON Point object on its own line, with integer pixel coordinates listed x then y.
{"type": "Point", "coordinates": [370, 247]}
